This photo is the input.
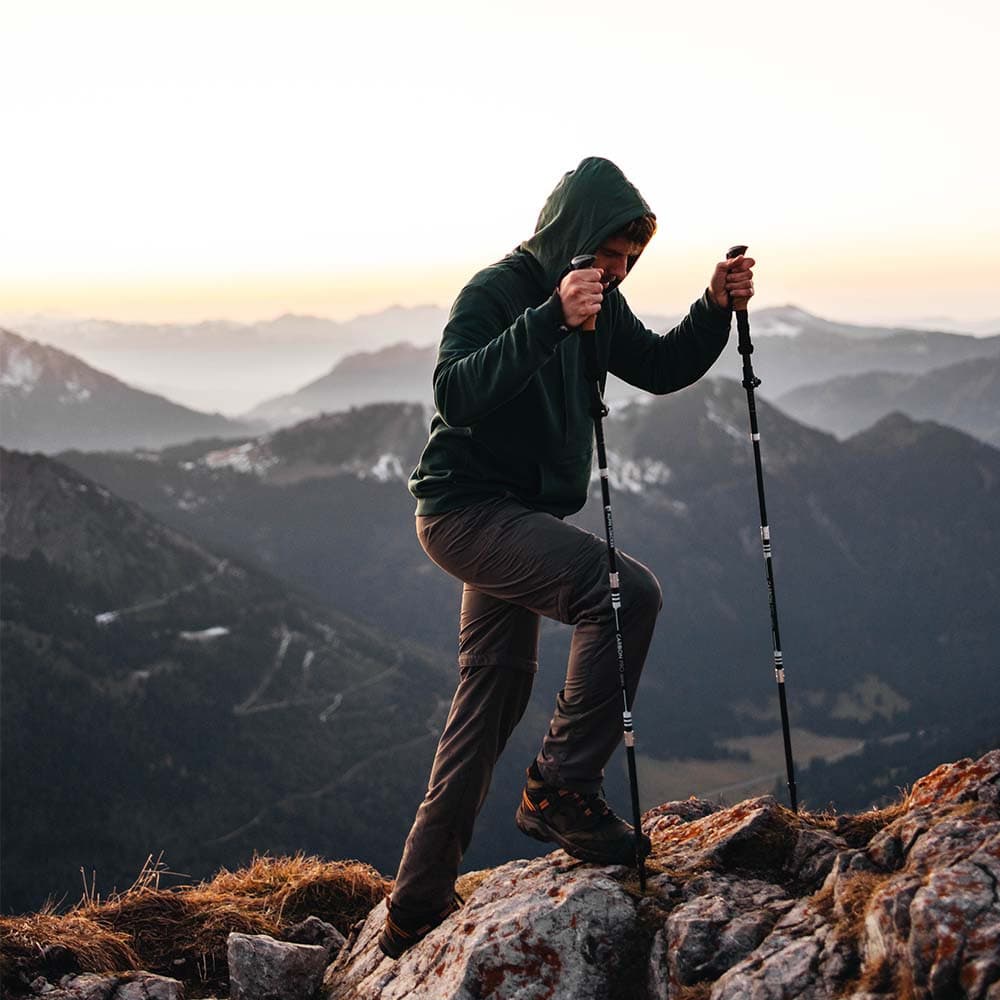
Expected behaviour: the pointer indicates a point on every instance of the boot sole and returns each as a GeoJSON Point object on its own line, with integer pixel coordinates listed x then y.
{"type": "Point", "coordinates": [540, 830]}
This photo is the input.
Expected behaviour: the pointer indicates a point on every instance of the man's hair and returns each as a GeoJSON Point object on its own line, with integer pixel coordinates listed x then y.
{"type": "Point", "coordinates": [639, 230]}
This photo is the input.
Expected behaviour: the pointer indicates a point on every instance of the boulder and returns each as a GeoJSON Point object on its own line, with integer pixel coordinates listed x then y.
{"type": "Point", "coordinates": [532, 930]}
{"type": "Point", "coordinates": [261, 968]}
{"type": "Point", "coordinates": [312, 930]}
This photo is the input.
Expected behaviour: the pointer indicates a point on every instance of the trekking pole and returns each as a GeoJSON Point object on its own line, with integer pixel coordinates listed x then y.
{"type": "Point", "coordinates": [750, 382]}
{"type": "Point", "coordinates": [599, 411]}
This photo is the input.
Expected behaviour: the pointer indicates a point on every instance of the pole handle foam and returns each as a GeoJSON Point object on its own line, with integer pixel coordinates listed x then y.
{"type": "Point", "coordinates": [739, 305]}
{"type": "Point", "coordinates": [585, 260]}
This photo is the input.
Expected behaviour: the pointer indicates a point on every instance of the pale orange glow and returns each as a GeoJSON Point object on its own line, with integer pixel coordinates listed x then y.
{"type": "Point", "coordinates": [885, 282]}
{"type": "Point", "coordinates": [310, 159]}
{"type": "Point", "coordinates": [242, 297]}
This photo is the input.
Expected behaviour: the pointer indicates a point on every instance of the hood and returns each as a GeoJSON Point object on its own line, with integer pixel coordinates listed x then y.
{"type": "Point", "coordinates": [588, 205]}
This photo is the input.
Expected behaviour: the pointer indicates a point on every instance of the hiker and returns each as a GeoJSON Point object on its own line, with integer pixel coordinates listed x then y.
{"type": "Point", "coordinates": [508, 458]}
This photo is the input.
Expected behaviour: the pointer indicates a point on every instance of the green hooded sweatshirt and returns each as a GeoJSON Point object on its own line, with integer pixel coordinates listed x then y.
{"type": "Point", "coordinates": [513, 406]}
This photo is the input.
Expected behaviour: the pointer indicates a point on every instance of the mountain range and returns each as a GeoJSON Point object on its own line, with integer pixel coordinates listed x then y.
{"type": "Point", "coordinates": [50, 400]}
{"type": "Point", "coordinates": [964, 395]}
{"type": "Point", "coordinates": [212, 646]}
{"type": "Point", "coordinates": [225, 365]}
{"type": "Point", "coordinates": [793, 350]}
{"type": "Point", "coordinates": [233, 367]}
{"type": "Point", "coordinates": [885, 553]}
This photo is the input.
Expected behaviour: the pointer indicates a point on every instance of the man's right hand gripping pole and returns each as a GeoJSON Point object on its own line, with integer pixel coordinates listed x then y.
{"type": "Point", "coordinates": [581, 293]}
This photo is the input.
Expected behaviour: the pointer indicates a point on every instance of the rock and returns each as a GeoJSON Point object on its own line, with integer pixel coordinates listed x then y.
{"type": "Point", "coordinates": [747, 903]}
{"type": "Point", "coordinates": [261, 968]}
{"type": "Point", "coordinates": [312, 930]}
{"type": "Point", "coordinates": [802, 957]}
{"type": "Point", "coordinates": [813, 856]}
{"type": "Point", "coordinates": [757, 835]}
{"type": "Point", "coordinates": [722, 922]}
{"type": "Point", "coordinates": [673, 813]}
{"type": "Point", "coordinates": [84, 986]}
{"type": "Point", "coordinates": [964, 781]}
{"type": "Point", "coordinates": [532, 930]}
{"type": "Point", "coordinates": [146, 986]}
{"type": "Point", "coordinates": [916, 913]}
{"type": "Point", "coordinates": [954, 933]}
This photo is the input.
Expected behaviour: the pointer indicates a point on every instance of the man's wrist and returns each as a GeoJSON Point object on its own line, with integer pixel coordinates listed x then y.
{"type": "Point", "coordinates": [552, 311]}
{"type": "Point", "coordinates": [713, 302]}
{"type": "Point", "coordinates": [560, 314]}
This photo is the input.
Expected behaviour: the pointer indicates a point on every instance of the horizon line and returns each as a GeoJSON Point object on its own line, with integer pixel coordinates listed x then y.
{"type": "Point", "coordinates": [958, 326]}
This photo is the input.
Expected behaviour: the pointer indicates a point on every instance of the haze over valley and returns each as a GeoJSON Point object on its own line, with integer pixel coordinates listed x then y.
{"type": "Point", "coordinates": [233, 616]}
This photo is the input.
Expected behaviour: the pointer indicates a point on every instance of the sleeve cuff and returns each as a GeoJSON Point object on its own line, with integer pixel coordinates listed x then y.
{"type": "Point", "coordinates": [551, 324]}
{"type": "Point", "coordinates": [713, 307]}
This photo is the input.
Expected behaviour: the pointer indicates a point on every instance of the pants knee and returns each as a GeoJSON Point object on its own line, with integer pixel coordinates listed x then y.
{"type": "Point", "coordinates": [641, 590]}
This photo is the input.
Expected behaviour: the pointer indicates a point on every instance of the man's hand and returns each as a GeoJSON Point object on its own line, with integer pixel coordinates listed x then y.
{"type": "Point", "coordinates": [581, 294]}
{"type": "Point", "coordinates": [732, 280]}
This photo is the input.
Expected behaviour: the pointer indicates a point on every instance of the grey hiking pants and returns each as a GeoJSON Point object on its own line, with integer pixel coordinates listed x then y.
{"type": "Point", "coordinates": [517, 564]}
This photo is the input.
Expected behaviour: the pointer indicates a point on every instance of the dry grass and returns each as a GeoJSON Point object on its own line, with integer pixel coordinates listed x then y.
{"type": "Point", "coordinates": [26, 941]}
{"type": "Point", "coordinates": [859, 828]}
{"type": "Point", "coordinates": [183, 931]}
{"type": "Point", "coordinates": [699, 991]}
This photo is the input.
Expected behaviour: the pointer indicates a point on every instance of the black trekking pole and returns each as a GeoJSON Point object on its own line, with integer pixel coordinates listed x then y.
{"type": "Point", "coordinates": [750, 382]}
{"type": "Point", "coordinates": [599, 411]}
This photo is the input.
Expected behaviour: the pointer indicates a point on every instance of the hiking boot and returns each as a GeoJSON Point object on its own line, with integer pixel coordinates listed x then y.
{"type": "Point", "coordinates": [404, 927]}
{"type": "Point", "coordinates": [582, 824]}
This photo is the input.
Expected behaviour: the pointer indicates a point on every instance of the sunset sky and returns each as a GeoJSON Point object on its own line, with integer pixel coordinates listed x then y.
{"type": "Point", "coordinates": [190, 160]}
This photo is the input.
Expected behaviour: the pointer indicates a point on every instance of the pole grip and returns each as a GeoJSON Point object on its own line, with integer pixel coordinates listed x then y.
{"type": "Point", "coordinates": [578, 263]}
{"type": "Point", "coordinates": [739, 305]}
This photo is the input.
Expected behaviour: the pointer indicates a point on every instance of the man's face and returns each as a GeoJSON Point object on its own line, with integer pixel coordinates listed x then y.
{"type": "Point", "coordinates": [615, 255]}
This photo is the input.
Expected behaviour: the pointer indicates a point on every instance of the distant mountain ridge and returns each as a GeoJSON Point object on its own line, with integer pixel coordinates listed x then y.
{"type": "Point", "coordinates": [234, 367]}
{"type": "Point", "coordinates": [398, 373]}
{"type": "Point", "coordinates": [226, 365]}
{"type": "Point", "coordinates": [965, 395]}
{"type": "Point", "coordinates": [792, 347]}
{"type": "Point", "coordinates": [50, 400]}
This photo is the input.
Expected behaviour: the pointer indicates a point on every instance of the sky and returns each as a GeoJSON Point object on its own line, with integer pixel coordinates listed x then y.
{"type": "Point", "coordinates": [192, 160]}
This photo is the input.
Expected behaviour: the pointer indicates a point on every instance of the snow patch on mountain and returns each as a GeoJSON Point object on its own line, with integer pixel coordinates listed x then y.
{"type": "Point", "coordinates": [250, 458]}
{"type": "Point", "coordinates": [785, 321]}
{"type": "Point", "coordinates": [388, 467]}
{"type": "Point", "coordinates": [633, 475]}
{"type": "Point", "coordinates": [205, 634]}
{"type": "Point", "coordinates": [256, 459]}
{"type": "Point", "coordinates": [75, 392]}
{"type": "Point", "coordinates": [191, 501]}
{"type": "Point", "coordinates": [19, 371]}
{"type": "Point", "coordinates": [716, 418]}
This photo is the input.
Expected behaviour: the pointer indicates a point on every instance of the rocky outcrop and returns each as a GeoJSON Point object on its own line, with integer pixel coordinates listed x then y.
{"type": "Point", "coordinates": [751, 902]}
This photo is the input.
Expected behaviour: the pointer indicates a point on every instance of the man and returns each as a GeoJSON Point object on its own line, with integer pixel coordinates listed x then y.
{"type": "Point", "coordinates": [509, 456]}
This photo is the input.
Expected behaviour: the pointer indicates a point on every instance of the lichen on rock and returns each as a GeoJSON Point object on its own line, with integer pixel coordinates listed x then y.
{"type": "Point", "coordinates": [752, 902]}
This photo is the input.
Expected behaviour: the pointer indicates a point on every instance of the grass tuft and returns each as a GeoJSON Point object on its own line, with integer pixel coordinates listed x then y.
{"type": "Point", "coordinates": [183, 931]}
